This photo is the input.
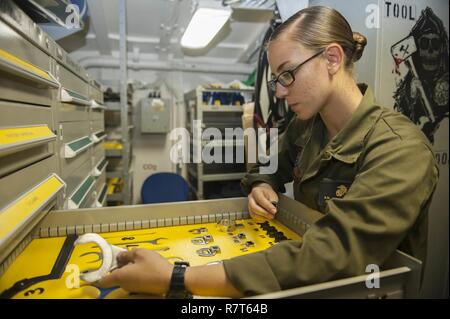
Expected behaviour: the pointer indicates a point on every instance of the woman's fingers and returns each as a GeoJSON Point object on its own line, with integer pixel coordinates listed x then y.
{"type": "Point", "coordinates": [257, 212]}
{"type": "Point", "coordinates": [111, 280]}
{"type": "Point", "coordinates": [264, 200]}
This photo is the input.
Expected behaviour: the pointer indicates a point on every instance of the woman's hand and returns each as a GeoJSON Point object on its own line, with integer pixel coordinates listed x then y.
{"type": "Point", "coordinates": [142, 271]}
{"type": "Point", "coordinates": [262, 202]}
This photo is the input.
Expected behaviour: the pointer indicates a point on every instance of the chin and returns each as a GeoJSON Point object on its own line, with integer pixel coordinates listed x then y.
{"type": "Point", "coordinates": [303, 116]}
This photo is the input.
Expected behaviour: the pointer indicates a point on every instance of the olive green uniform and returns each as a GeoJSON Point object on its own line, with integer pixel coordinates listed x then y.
{"type": "Point", "coordinates": [373, 183]}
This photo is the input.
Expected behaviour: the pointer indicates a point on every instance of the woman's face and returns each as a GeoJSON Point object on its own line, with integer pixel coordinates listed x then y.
{"type": "Point", "coordinates": [309, 92]}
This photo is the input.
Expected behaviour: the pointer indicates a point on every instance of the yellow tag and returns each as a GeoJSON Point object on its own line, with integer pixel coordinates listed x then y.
{"type": "Point", "coordinates": [14, 214]}
{"type": "Point", "coordinates": [21, 134]}
{"type": "Point", "coordinates": [24, 65]}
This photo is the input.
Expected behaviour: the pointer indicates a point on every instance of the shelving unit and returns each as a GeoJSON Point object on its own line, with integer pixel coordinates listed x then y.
{"type": "Point", "coordinates": [118, 148]}
{"type": "Point", "coordinates": [219, 109]}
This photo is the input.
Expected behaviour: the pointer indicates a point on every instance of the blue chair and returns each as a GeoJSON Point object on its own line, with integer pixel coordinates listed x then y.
{"type": "Point", "coordinates": [163, 188]}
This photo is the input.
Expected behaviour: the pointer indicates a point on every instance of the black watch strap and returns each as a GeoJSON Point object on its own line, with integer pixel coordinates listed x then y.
{"type": "Point", "coordinates": [177, 289]}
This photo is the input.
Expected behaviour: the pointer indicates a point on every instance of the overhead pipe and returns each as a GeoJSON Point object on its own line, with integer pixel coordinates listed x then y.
{"type": "Point", "coordinates": [174, 65]}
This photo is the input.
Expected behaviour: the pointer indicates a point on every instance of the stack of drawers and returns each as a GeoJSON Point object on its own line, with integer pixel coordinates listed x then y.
{"type": "Point", "coordinates": [51, 124]}
{"type": "Point", "coordinates": [79, 117]}
{"type": "Point", "coordinates": [29, 181]}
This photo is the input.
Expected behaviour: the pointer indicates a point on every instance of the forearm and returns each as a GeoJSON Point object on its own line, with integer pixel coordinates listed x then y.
{"type": "Point", "coordinates": [210, 281]}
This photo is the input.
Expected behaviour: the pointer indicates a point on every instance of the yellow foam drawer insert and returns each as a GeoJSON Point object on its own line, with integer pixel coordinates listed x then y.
{"type": "Point", "coordinates": [48, 263]}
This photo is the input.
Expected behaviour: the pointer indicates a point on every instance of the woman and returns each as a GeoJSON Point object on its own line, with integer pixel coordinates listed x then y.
{"type": "Point", "coordinates": [369, 170]}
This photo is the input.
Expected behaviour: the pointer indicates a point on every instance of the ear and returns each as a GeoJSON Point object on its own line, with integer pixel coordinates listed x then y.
{"type": "Point", "coordinates": [335, 57]}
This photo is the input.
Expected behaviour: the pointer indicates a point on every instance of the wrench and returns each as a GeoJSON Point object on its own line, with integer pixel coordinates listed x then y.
{"type": "Point", "coordinates": [108, 256]}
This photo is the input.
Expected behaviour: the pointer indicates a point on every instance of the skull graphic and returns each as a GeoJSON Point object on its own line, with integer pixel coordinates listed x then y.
{"type": "Point", "coordinates": [429, 51]}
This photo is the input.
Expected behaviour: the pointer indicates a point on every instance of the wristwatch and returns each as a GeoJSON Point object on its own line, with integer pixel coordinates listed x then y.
{"type": "Point", "coordinates": [177, 289]}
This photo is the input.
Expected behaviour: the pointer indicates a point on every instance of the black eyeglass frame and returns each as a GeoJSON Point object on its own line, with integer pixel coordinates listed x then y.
{"type": "Point", "coordinates": [272, 84]}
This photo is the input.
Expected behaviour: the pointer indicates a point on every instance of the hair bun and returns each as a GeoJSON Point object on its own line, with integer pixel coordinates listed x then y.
{"type": "Point", "coordinates": [360, 43]}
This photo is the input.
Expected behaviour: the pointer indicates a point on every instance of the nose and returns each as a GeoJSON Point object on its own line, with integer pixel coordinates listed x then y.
{"type": "Point", "coordinates": [281, 91]}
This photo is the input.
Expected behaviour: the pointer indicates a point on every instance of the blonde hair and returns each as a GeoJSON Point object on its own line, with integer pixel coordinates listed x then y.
{"type": "Point", "coordinates": [318, 26]}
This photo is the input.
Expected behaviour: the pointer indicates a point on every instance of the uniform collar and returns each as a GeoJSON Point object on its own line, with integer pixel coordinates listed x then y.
{"type": "Point", "coordinates": [348, 144]}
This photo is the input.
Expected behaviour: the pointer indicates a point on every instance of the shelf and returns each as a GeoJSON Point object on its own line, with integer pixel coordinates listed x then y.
{"type": "Point", "coordinates": [221, 108]}
{"type": "Point", "coordinates": [116, 107]}
{"type": "Point", "coordinates": [226, 90]}
{"type": "Point", "coordinates": [113, 153]}
{"type": "Point", "coordinates": [118, 197]}
{"type": "Point", "coordinates": [222, 177]}
{"type": "Point", "coordinates": [118, 173]}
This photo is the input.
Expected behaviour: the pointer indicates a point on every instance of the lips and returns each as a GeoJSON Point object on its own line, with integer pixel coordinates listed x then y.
{"type": "Point", "coordinates": [292, 105]}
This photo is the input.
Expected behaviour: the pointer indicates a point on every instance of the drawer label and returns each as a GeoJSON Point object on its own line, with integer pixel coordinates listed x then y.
{"type": "Point", "coordinates": [23, 134]}
{"type": "Point", "coordinates": [20, 210]}
{"type": "Point", "coordinates": [24, 65]}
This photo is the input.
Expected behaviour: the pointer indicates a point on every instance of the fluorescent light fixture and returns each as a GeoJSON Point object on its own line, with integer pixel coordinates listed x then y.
{"type": "Point", "coordinates": [204, 26]}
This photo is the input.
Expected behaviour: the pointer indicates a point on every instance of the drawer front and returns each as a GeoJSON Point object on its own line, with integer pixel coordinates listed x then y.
{"type": "Point", "coordinates": [73, 130]}
{"type": "Point", "coordinates": [76, 177]}
{"type": "Point", "coordinates": [72, 83]}
{"type": "Point", "coordinates": [16, 184]}
{"type": "Point", "coordinates": [68, 165]}
{"type": "Point", "coordinates": [26, 135]}
{"type": "Point", "coordinates": [24, 70]}
{"type": "Point", "coordinates": [66, 112]}
{"type": "Point", "coordinates": [98, 150]}
{"type": "Point", "coordinates": [74, 143]}
{"type": "Point", "coordinates": [19, 21]}
{"type": "Point", "coordinates": [98, 156]}
{"type": "Point", "coordinates": [96, 94]}
{"type": "Point", "coordinates": [95, 197]}
{"type": "Point", "coordinates": [97, 126]}
{"type": "Point", "coordinates": [97, 115]}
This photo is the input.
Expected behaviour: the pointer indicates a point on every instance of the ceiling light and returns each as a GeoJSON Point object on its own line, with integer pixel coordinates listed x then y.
{"type": "Point", "coordinates": [204, 26]}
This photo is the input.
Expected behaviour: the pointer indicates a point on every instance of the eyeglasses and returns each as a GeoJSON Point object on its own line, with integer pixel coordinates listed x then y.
{"type": "Point", "coordinates": [286, 78]}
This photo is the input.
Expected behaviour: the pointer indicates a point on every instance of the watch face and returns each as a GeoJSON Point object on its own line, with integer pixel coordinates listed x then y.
{"type": "Point", "coordinates": [182, 263]}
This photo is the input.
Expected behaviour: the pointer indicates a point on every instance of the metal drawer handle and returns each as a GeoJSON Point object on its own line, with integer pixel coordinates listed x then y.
{"type": "Point", "coordinates": [15, 65]}
{"type": "Point", "coordinates": [79, 195]}
{"type": "Point", "coordinates": [101, 198]}
{"type": "Point", "coordinates": [98, 136]}
{"type": "Point", "coordinates": [77, 146]}
{"type": "Point", "coordinates": [97, 106]}
{"type": "Point", "coordinates": [68, 96]}
{"type": "Point", "coordinates": [14, 139]}
{"type": "Point", "coordinates": [26, 207]}
{"type": "Point", "coordinates": [100, 167]}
